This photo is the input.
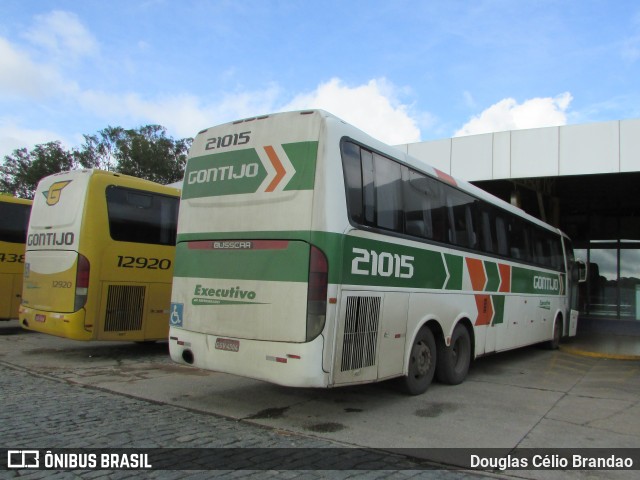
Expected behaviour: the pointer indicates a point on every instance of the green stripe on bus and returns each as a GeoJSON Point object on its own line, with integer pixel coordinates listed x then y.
{"type": "Point", "coordinates": [302, 156]}
{"type": "Point", "coordinates": [498, 308]}
{"type": "Point", "coordinates": [529, 280]}
{"type": "Point", "coordinates": [286, 265]}
{"type": "Point", "coordinates": [455, 267]}
{"type": "Point", "coordinates": [396, 265]}
{"type": "Point", "coordinates": [225, 173]}
{"type": "Point", "coordinates": [493, 277]}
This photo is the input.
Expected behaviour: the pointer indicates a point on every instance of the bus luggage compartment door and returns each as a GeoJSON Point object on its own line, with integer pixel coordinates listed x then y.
{"type": "Point", "coordinates": [371, 336]}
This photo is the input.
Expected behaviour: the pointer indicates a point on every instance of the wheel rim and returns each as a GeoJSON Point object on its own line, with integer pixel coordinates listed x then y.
{"type": "Point", "coordinates": [421, 359]}
{"type": "Point", "coordinates": [454, 352]}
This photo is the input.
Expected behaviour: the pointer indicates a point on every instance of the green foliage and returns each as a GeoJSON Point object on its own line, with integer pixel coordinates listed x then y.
{"type": "Point", "coordinates": [98, 151]}
{"type": "Point", "coordinates": [145, 152]}
{"type": "Point", "coordinates": [148, 153]}
{"type": "Point", "coordinates": [21, 171]}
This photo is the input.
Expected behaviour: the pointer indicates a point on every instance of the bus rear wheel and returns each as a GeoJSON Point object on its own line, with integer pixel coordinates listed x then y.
{"type": "Point", "coordinates": [454, 360]}
{"type": "Point", "coordinates": [422, 363]}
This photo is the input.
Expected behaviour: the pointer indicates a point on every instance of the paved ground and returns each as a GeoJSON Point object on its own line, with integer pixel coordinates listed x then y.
{"type": "Point", "coordinates": [42, 412]}
{"type": "Point", "coordinates": [59, 393]}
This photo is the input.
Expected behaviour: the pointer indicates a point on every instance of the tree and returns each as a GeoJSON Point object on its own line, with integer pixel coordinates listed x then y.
{"type": "Point", "coordinates": [22, 170]}
{"type": "Point", "coordinates": [145, 152]}
{"type": "Point", "coordinates": [148, 153]}
{"type": "Point", "coordinates": [99, 151]}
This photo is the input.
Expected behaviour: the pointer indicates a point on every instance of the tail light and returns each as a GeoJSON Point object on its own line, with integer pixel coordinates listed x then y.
{"type": "Point", "coordinates": [82, 282]}
{"type": "Point", "coordinates": [317, 293]}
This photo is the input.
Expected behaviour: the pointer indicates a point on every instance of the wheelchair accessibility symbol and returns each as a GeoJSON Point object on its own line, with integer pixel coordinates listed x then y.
{"type": "Point", "coordinates": [175, 319]}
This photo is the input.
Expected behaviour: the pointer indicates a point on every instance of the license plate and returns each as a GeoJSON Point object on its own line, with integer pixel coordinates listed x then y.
{"type": "Point", "coordinates": [40, 318]}
{"type": "Point", "coordinates": [227, 344]}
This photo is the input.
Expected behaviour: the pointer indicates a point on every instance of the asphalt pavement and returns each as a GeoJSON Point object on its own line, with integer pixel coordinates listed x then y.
{"type": "Point", "coordinates": [58, 393]}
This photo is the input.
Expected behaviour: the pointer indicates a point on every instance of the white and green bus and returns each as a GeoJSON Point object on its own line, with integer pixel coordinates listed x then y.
{"type": "Point", "coordinates": [311, 255]}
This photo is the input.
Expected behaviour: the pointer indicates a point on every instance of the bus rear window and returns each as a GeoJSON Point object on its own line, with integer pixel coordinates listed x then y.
{"type": "Point", "coordinates": [141, 217]}
{"type": "Point", "coordinates": [14, 222]}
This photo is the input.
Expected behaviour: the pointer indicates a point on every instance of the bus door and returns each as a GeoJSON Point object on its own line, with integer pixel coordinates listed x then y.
{"type": "Point", "coordinates": [506, 331]}
{"type": "Point", "coordinates": [576, 273]}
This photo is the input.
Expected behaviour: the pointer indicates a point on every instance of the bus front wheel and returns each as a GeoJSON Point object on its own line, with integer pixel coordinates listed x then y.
{"type": "Point", "coordinates": [454, 360]}
{"type": "Point", "coordinates": [554, 343]}
{"type": "Point", "coordinates": [422, 363]}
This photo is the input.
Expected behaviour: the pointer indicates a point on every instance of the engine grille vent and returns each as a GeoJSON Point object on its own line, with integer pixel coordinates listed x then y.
{"type": "Point", "coordinates": [360, 333]}
{"type": "Point", "coordinates": [125, 308]}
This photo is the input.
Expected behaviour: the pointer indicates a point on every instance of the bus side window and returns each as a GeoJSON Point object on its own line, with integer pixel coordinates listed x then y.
{"type": "Point", "coordinates": [353, 179]}
{"type": "Point", "coordinates": [556, 252]}
{"type": "Point", "coordinates": [461, 210]}
{"type": "Point", "coordinates": [368, 188]}
{"type": "Point", "coordinates": [520, 240]}
{"type": "Point", "coordinates": [439, 212]}
{"type": "Point", "coordinates": [417, 200]}
{"type": "Point", "coordinates": [539, 253]}
{"type": "Point", "coordinates": [388, 196]}
{"type": "Point", "coordinates": [548, 249]}
{"type": "Point", "coordinates": [501, 233]}
{"type": "Point", "coordinates": [470, 220]}
{"type": "Point", "coordinates": [487, 232]}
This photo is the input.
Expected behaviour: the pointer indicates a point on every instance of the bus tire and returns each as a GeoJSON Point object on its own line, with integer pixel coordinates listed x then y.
{"type": "Point", "coordinates": [454, 360]}
{"type": "Point", "coordinates": [554, 343]}
{"type": "Point", "coordinates": [422, 363]}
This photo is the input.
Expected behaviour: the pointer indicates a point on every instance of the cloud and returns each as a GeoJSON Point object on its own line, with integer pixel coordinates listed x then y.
{"type": "Point", "coordinates": [28, 73]}
{"type": "Point", "coordinates": [182, 114]}
{"type": "Point", "coordinates": [372, 107]}
{"type": "Point", "coordinates": [62, 35]}
{"type": "Point", "coordinates": [507, 114]}
{"type": "Point", "coordinates": [13, 136]}
{"type": "Point", "coordinates": [22, 77]}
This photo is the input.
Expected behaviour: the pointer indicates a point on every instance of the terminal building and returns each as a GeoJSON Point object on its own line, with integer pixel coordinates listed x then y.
{"type": "Point", "coordinates": [584, 179]}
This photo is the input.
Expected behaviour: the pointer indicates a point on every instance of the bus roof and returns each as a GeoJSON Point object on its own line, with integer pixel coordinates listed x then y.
{"type": "Point", "coordinates": [403, 157]}
{"type": "Point", "coordinates": [95, 171]}
{"type": "Point", "coordinates": [5, 197]}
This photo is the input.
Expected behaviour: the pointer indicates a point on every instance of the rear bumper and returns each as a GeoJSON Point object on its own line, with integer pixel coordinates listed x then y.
{"type": "Point", "coordinates": [67, 325]}
{"type": "Point", "coordinates": [288, 364]}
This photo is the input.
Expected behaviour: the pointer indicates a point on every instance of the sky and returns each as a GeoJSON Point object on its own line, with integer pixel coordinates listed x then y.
{"type": "Point", "coordinates": [402, 71]}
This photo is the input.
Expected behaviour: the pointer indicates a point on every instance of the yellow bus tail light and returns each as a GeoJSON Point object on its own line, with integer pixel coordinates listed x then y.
{"type": "Point", "coordinates": [82, 282]}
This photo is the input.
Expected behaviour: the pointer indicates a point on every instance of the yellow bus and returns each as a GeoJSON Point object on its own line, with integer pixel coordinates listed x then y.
{"type": "Point", "coordinates": [99, 257]}
{"type": "Point", "coordinates": [14, 218]}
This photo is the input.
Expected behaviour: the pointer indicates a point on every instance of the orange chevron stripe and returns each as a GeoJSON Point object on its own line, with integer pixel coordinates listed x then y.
{"type": "Point", "coordinates": [277, 164]}
{"type": "Point", "coordinates": [505, 278]}
{"type": "Point", "coordinates": [477, 274]}
{"type": "Point", "coordinates": [478, 282]}
{"type": "Point", "coordinates": [485, 309]}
